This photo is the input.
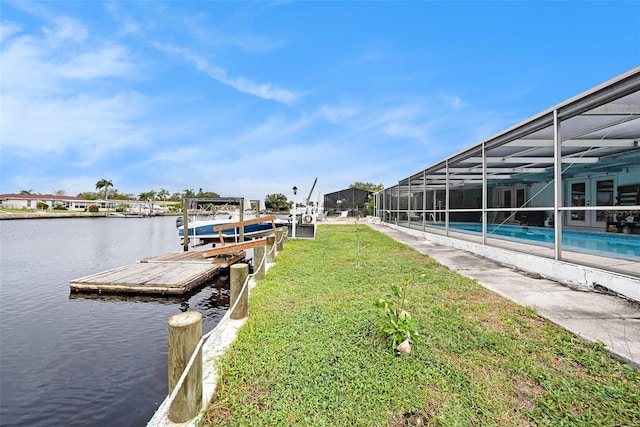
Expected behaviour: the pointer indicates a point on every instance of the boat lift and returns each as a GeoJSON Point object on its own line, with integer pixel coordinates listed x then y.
{"type": "Point", "coordinates": [305, 226]}
{"type": "Point", "coordinates": [196, 203]}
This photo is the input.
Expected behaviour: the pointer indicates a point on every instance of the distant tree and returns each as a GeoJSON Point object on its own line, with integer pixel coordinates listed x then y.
{"type": "Point", "coordinates": [26, 191]}
{"type": "Point", "coordinates": [117, 196]}
{"type": "Point", "coordinates": [163, 194]}
{"type": "Point", "coordinates": [204, 194]}
{"type": "Point", "coordinates": [176, 197]}
{"type": "Point", "coordinates": [189, 193]}
{"type": "Point", "coordinates": [104, 183]}
{"type": "Point", "coordinates": [367, 186]}
{"type": "Point", "coordinates": [60, 193]}
{"type": "Point", "coordinates": [88, 195]}
{"type": "Point", "coordinates": [276, 201]}
{"type": "Point", "coordinates": [148, 195]}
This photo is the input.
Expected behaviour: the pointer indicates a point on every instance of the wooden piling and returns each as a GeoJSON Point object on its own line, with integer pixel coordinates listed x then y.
{"type": "Point", "coordinates": [285, 230]}
{"type": "Point", "coordinates": [259, 263]}
{"type": "Point", "coordinates": [185, 225]}
{"type": "Point", "coordinates": [185, 331]}
{"type": "Point", "coordinates": [271, 254]}
{"type": "Point", "coordinates": [239, 273]}
{"type": "Point", "coordinates": [279, 240]}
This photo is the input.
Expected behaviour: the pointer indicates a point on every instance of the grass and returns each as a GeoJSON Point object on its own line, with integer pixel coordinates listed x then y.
{"type": "Point", "coordinates": [311, 352]}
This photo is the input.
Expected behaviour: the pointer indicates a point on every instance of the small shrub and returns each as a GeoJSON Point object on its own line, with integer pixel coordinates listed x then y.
{"type": "Point", "coordinates": [42, 206]}
{"type": "Point", "coordinates": [397, 323]}
{"type": "Point", "coordinates": [93, 208]}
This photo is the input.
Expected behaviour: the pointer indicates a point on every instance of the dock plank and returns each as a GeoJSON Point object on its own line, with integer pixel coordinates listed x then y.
{"type": "Point", "coordinates": [148, 278]}
{"type": "Point", "coordinates": [170, 274]}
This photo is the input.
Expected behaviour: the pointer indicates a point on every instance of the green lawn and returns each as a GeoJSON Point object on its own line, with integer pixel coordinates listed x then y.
{"type": "Point", "coordinates": [311, 352]}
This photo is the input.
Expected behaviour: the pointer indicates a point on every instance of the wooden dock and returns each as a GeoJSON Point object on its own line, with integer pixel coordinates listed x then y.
{"type": "Point", "coordinates": [170, 274]}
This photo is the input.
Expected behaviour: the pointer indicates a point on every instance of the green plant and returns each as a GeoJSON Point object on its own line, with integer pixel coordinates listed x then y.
{"type": "Point", "coordinates": [358, 238]}
{"type": "Point", "coordinates": [93, 208]}
{"type": "Point", "coordinates": [397, 323]}
{"type": "Point", "coordinates": [42, 206]}
{"type": "Point", "coordinates": [122, 207]}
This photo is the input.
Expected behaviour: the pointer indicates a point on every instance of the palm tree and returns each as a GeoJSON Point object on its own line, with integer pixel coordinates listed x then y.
{"type": "Point", "coordinates": [163, 194]}
{"type": "Point", "coordinates": [104, 183]}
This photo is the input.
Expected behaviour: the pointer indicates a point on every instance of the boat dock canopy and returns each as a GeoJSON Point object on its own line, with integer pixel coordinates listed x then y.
{"type": "Point", "coordinates": [195, 202]}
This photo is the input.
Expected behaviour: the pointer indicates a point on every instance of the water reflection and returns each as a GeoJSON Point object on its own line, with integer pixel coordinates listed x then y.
{"type": "Point", "coordinates": [86, 359]}
{"type": "Point", "coordinates": [211, 299]}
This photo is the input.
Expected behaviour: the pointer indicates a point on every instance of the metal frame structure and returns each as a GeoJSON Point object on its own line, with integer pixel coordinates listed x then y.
{"type": "Point", "coordinates": [352, 199]}
{"type": "Point", "coordinates": [535, 170]}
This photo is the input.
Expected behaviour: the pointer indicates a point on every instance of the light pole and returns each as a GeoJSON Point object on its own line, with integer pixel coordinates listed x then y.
{"type": "Point", "coordinates": [295, 211]}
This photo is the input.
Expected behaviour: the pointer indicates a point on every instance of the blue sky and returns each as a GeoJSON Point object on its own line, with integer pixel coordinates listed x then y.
{"type": "Point", "coordinates": [251, 98]}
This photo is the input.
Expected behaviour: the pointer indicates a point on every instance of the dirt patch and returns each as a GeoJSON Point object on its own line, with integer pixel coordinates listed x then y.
{"type": "Point", "coordinates": [412, 418]}
{"type": "Point", "coordinates": [217, 414]}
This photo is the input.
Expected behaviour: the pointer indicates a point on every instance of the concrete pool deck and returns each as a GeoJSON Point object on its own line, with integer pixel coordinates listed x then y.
{"type": "Point", "coordinates": [591, 315]}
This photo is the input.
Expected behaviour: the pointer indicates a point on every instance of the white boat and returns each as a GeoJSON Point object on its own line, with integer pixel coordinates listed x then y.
{"type": "Point", "coordinates": [203, 231]}
{"type": "Point", "coordinates": [209, 213]}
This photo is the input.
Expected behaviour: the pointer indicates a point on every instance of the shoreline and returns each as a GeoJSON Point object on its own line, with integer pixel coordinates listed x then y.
{"type": "Point", "coordinates": [45, 215]}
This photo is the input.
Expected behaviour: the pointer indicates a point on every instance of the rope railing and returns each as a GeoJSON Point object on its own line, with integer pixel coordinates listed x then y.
{"type": "Point", "coordinates": [284, 234]}
{"type": "Point", "coordinates": [273, 248]}
{"type": "Point", "coordinates": [166, 405]}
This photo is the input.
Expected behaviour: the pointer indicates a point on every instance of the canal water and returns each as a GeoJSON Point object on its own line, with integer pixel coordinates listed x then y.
{"type": "Point", "coordinates": [85, 359]}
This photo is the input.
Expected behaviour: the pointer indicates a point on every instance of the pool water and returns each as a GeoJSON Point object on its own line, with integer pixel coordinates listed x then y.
{"type": "Point", "coordinates": [626, 246]}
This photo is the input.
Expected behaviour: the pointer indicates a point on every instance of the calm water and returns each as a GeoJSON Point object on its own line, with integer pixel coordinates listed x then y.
{"type": "Point", "coordinates": [85, 360]}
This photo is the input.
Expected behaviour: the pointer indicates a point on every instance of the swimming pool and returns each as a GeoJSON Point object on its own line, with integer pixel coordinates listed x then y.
{"type": "Point", "coordinates": [626, 246]}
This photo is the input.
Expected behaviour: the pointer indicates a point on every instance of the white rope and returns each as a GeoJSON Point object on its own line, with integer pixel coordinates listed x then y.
{"type": "Point", "coordinates": [273, 248]}
{"type": "Point", "coordinates": [262, 262]}
{"type": "Point", "coordinates": [166, 405]}
{"type": "Point", "coordinates": [285, 233]}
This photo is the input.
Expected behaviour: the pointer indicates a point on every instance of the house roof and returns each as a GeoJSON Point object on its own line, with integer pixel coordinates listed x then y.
{"type": "Point", "coordinates": [39, 197]}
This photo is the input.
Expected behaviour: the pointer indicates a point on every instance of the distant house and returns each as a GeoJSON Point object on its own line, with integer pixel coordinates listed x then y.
{"type": "Point", "coordinates": [35, 201]}
{"type": "Point", "coordinates": [32, 201]}
{"type": "Point", "coordinates": [352, 200]}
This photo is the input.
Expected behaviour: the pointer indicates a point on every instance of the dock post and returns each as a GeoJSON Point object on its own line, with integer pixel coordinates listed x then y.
{"type": "Point", "coordinates": [185, 225]}
{"type": "Point", "coordinates": [185, 331]}
{"type": "Point", "coordinates": [285, 230]}
{"type": "Point", "coordinates": [279, 240]}
{"type": "Point", "coordinates": [259, 261]}
{"type": "Point", "coordinates": [271, 254]}
{"type": "Point", "coordinates": [239, 273]}
{"type": "Point", "coordinates": [241, 229]}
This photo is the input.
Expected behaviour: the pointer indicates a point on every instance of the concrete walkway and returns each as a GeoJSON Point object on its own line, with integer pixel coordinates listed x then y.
{"type": "Point", "coordinates": [593, 316]}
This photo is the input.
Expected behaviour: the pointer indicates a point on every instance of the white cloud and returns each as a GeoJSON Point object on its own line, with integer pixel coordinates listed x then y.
{"type": "Point", "coordinates": [127, 24]}
{"type": "Point", "coordinates": [241, 84]}
{"type": "Point", "coordinates": [50, 88]}
{"type": "Point", "coordinates": [8, 29]}
{"type": "Point", "coordinates": [65, 29]}
{"type": "Point", "coordinates": [106, 61]}
{"type": "Point", "coordinates": [453, 101]}
{"type": "Point", "coordinates": [399, 130]}
{"type": "Point", "coordinates": [92, 124]}
{"type": "Point", "coordinates": [337, 115]}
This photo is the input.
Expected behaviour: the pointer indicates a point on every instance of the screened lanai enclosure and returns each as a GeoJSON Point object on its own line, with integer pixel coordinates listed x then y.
{"type": "Point", "coordinates": [564, 184]}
